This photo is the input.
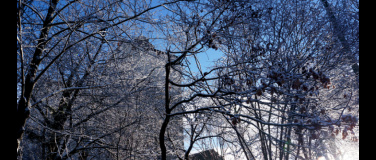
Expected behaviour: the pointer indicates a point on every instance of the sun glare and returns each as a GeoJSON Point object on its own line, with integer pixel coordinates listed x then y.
{"type": "Point", "coordinates": [321, 158]}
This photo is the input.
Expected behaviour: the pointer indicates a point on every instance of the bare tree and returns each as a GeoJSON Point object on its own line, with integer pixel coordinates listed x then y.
{"type": "Point", "coordinates": [63, 42]}
{"type": "Point", "coordinates": [114, 79]}
{"type": "Point", "coordinates": [276, 69]}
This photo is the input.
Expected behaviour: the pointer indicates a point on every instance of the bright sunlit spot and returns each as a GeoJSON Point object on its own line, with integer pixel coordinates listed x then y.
{"type": "Point", "coordinates": [345, 157]}
{"type": "Point", "coordinates": [321, 158]}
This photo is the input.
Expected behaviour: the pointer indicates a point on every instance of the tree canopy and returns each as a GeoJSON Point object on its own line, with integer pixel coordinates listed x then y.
{"type": "Point", "coordinates": [114, 79]}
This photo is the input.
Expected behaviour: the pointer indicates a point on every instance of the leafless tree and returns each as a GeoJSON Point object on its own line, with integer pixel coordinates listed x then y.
{"type": "Point", "coordinates": [114, 79]}
{"type": "Point", "coordinates": [275, 77]}
{"type": "Point", "coordinates": [62, 49]}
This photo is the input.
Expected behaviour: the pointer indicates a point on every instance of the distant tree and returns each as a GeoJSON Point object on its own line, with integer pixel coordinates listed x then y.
{"type": "Point", "coordinates": [207, 155]}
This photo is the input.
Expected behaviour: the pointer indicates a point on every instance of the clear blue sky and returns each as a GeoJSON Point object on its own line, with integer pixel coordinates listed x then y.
{"type": "Point", "coordinates": [206, 59]}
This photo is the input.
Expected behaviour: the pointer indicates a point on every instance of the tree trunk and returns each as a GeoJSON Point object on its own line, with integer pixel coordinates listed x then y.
{"type": "Point", "coordinates": [341, 37]}
{"type": "Point", "coordinates": [167, 119]}
{"type": "Point", "coordinates": [162, 138]}
{"type": "Point", "coordinates": [23, 110]}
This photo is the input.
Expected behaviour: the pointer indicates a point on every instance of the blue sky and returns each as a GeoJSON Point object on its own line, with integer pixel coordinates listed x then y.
{"type": "Point", "coordinates": [206, 59]}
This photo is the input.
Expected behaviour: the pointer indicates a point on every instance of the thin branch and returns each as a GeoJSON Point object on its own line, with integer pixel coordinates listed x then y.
{"type": "Point", "coordinates": [62, 90]}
